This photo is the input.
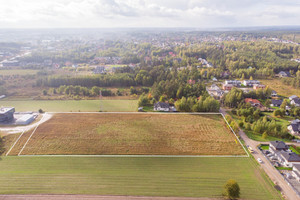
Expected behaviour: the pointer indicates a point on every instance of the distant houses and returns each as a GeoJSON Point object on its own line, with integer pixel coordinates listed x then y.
{"type": "Point", "coordinates": [215, 91]}
{"type": "Point", "coordinates": [274, 94]}
{"type": "Point", "coordinates": [163, 106]}
{"type": "Point", "coordinates": [295, 101]}
{"type": "Point", "coordinates": [235, 83]}
{"type": "Point", "coordinates": [276, 103]}
{"type": "Point", "coordinates": [253, 102]}
{"type": "Point", "coordinates": [227, 87]}
{"type": "Point", "coordinates": [258, 86]}
{"type": "Point", "coordinates": [250, 82]}
{"type": "Point", "coordinates": [283, 74]}
{"type": "Point", "coordinates": [294, 127]}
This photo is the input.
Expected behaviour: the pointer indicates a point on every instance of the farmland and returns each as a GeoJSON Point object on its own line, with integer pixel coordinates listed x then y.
{"type": "Point", "coordinates": [126, 134]}
{"type": "Point", "coordinates": [191, 177]}
{"type": "Point", "coordinates": [72, 105]}
{"type": "Point", "coordinates": [18, 72]}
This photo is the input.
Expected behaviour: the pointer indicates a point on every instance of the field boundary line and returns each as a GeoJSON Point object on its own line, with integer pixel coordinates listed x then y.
{"type": "Point", "coordinates": [235, 134]}
{"type": "Point", "coordinates": [167, 113]}
{"type": "Point", "coordinates": [14, 143]}
{"type": "Point", "coordinates": [143, 156]}
{"type": "Point", "coordinates": [31, 135]}
{"type": "Point", "coordinates": [157, 113]}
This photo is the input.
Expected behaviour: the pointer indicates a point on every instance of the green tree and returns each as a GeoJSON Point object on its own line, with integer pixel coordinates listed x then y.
{"type": "Point", "coordinates": [232, 189]}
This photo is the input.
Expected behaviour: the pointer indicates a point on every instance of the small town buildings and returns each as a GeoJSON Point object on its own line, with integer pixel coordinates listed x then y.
{"type": "Point", "coordinates": [296, 102]}
{"type": "Point", "coordinates": [6, 114]}
{"type": "Point", "coordinates": [254, 102]}
{"type": "Point", "coordinates": [250, 82]}
{"type": "Point", "coordinates": [276, 102]}
{"type": "Point", "coordinates": [227, 87]}
{"type": "Point", "coordinates": [215, 91]}
{"type": "Point", "coordinates": [235, 83]}
{"type": "Point", "coordinates": [274, 94]}
{"type": "Point", "coordinates": [163, 106]}
{"type": "Point", "coordinates": [278, 146]}
{"type": "Point", "coordinates": [283, 74]}
{"type": "Point", "coordinates": [293, 97]}
{"type": "Point", "coordinates": [294, 127]}
{"type": "Point", "coordinates": [288, 159]}
{"type": "Point", "coordinates": [296, 171]}
{"type": "Point", "coordinates": [258, 86]}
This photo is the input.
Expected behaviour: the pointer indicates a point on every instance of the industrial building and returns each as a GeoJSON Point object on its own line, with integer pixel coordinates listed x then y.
{"type": "Point", "coordinates": [6, 114]}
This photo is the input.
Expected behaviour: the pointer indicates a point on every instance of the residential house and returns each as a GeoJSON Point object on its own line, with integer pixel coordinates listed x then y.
{"type": "Point", "coordinates": [250, 82]}
{"type": "Point", "coordinates": [288, 159]}
{"type": "Point", "coordinates": [294, 127]}
{"type": "Point", "coordinates": [274, 94]}
{"type": "Point", "coordinates": [278, 146]}
{"type": "Point", "coordinates": [227, 87]}
{"type": "Point", "coordinates": [235, 83]}
{"type": "Point", "coordinates": [258, 86]}
{"type": "Point", "coordinates": [296, 171]}
{"type": "Point", "coordinates": [296, 102]}
{"type": "Point", "coordinates": [284, 74]}
{"type": "Point", "coordinates": [276, 103]}
{"type": "Point", "coordinates": [163, 106]}
{"type": "Point", "coordinates": [215, 91]}
{"type": "Point", "coordinates": [253, 102]}
{"type": "Point", "coordinates": [293, 97]}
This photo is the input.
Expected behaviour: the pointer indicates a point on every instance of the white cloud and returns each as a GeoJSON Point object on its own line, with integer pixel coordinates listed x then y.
{"type": "Point", "coordinates": [141, 13]}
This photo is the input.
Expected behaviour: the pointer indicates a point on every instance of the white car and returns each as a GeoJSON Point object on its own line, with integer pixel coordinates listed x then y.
{"type": "Point", "coordinates": [259, 160]}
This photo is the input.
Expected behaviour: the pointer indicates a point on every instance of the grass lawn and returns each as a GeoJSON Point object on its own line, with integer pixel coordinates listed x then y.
{"type": "Point", "coordinates": [280, 120]}
{"type": "Point", "coordinates": [73, 105]}
{"type": "Point", "coordinates": [295, 149]}
{"type": "Point", "coordinates": [127, 134]}
{"type": "Point", "coordinates": [18, 72]}
{"type": "Point", "coordinates": [280, 88]}
{"type": "Point", "coordinates": [191, 177]}
{"type": "Point", "coordinates": [264, 147]}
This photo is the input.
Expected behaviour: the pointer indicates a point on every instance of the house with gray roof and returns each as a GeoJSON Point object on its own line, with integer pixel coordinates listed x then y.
{"type": "Point", "coordinates": [294, 127]}
{"type": "Point", "coordinates": [278, 146]}
{"type": "Point", "coordinates": [296, 171]}
{"type": "Point", "coordinates": [288, 159]}
{"type": "Point", "coordinates": [276, 102]}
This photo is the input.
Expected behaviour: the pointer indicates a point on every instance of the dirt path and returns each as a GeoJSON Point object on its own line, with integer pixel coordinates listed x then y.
{"type": "Point", "coordinates": [92, 197]}
{"type": "Point", "coordinates": [274, 174]}
{"type": "Point", "coordinates": [20, 129]}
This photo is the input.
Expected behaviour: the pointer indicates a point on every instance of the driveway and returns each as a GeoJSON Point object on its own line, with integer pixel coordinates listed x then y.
{"type": "Point", "coordinates": [273, 173]}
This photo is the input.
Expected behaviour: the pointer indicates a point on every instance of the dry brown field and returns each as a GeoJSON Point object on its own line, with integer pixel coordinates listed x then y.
{"type": "Point", "coordinates": [131, 134]}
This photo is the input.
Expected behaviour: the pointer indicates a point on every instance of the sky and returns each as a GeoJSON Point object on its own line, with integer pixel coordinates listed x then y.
{"type": "Point", "coordinates": [147, 13]}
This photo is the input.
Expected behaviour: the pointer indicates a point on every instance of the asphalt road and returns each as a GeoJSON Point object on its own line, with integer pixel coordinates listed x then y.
{"type": "Point", "coordinates": [274, 174]}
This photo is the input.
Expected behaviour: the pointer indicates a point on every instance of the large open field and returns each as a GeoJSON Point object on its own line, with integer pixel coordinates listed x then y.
{"type": "Point", "coordinates": [18, 72]}
{"type": "Point", "coordinates": [194, 177]}
{"type": "Point", "coordinates": [72, 105]}
{"type": "Point", "coordinates": [280, 88]}
{"type": "Point", "coordinates": [127, 134]}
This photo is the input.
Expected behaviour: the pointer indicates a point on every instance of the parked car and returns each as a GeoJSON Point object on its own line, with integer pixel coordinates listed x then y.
{"type": "Point", "coordinates": [259, 160]}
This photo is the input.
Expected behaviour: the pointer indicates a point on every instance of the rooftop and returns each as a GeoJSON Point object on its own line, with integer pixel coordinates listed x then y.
{"type": "Point", "coordinates": [4, 110]}
{"type": "Point", "coordinates": [279, 144]}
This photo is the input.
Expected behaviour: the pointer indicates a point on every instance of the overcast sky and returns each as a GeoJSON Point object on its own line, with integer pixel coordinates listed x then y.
{"type": "Point", "coordinates": [147, 13]}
